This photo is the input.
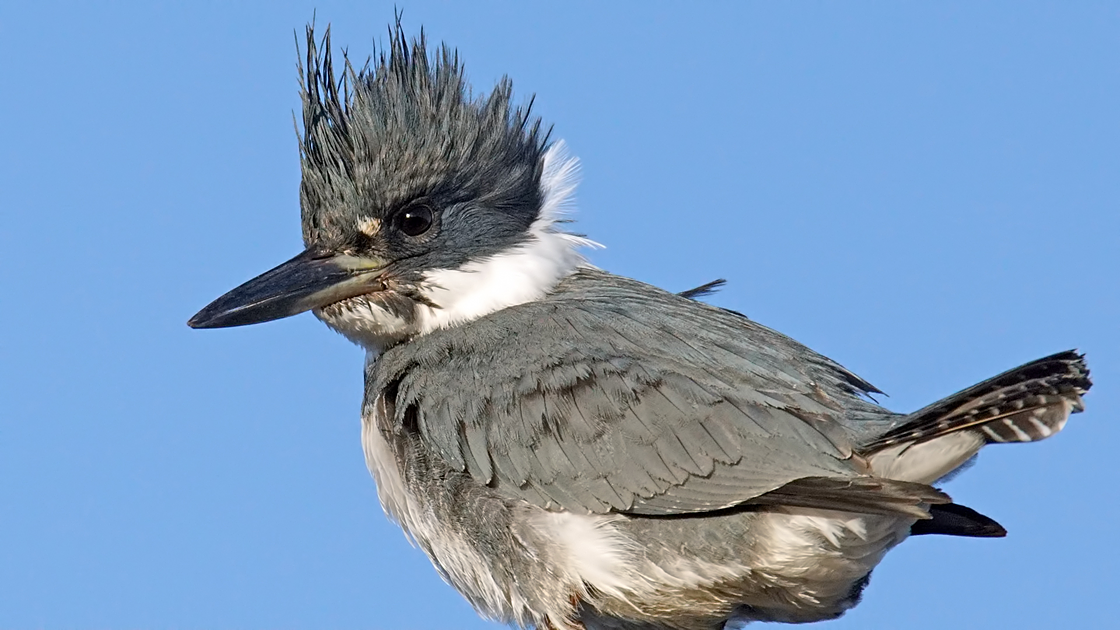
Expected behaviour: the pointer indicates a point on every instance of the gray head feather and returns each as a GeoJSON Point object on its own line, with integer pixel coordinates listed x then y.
{"type": "Point", "coordinates": [407, 127]}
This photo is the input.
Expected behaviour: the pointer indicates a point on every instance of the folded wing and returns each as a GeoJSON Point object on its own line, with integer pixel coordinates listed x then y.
{"type": "Point", "coordinates": [614, 396]}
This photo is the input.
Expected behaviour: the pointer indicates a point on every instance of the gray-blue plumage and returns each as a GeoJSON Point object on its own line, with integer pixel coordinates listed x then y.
{"type": "Point", "coordinates": [611, 395]}
{"type": "Point", "coordinates": [573, 449]}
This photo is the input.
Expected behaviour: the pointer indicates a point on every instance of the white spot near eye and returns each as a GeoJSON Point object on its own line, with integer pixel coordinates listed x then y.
{"type": "Point", "coordinates": [369, 226]}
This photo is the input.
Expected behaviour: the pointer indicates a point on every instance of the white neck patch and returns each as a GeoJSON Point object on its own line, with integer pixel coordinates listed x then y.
{"type": "Point", "coordinates": [523, 273]}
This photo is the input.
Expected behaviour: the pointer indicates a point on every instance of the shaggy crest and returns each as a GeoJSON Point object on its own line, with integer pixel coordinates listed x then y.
{"type": "Point", "coordinates": [406, 126]}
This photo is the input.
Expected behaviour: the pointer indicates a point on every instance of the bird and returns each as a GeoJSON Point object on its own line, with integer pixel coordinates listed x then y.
{"type": "Point", "coordinates": [577, 450]}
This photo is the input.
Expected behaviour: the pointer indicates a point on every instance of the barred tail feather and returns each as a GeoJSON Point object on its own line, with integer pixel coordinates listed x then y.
{"type": "Point", "coordinates": [1029, 403]}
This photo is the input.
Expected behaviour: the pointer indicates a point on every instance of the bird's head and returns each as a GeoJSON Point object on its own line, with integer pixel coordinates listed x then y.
{"type": "Point", "coordinates": [422, 205]}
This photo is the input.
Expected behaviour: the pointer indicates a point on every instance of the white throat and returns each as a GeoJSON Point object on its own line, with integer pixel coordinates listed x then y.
{"type": "Point", "coordinates": [523, 273]}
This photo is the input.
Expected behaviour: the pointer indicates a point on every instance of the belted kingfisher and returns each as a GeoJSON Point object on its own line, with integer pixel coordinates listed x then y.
{"type": "Point", "coordinates": [571, 448]}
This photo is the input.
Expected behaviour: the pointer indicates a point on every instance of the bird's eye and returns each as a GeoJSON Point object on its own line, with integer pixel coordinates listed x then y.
{"type": "Point", "coordinates": [415, 220]}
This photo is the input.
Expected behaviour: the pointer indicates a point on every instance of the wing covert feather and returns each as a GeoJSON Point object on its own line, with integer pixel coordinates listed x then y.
{"type": "Point", "coordinates": [610, 395]}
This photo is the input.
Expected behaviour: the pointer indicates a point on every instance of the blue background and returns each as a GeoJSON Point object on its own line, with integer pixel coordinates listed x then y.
{"type": "Point", "coordinates": [926, 192]}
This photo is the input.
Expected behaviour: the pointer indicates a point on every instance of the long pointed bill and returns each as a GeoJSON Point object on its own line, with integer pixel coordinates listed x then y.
{"type": "Point", "coordinates": [312, 279]}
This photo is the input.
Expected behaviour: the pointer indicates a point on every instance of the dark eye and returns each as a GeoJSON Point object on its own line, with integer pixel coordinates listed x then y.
{"type": "Point", "coordinates": [415, 220]}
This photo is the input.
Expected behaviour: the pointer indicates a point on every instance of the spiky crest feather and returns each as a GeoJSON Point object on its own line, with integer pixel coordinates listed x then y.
{"type": "Point", "coordinates": [408, 125]}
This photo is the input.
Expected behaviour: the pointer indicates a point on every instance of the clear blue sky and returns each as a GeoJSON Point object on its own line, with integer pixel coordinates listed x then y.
{"type": "Point", "coordinates": [926, 192]}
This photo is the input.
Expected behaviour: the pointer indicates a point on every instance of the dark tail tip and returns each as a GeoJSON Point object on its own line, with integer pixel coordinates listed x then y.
{"type": "Point", "coordinates": [951, 519]}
